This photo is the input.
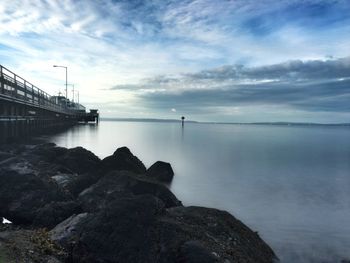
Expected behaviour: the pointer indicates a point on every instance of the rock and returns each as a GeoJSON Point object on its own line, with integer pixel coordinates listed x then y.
{"type": "Point", "coordinates": [22, 194]}
{"type": "Point", "coordinates": [79, 160]}
{"type": "Point", "coordinates": [55, 212]}
{"type": "Point", "coordinates": [122, 232]}
{"type": "Point", "coordinates": [139, 229]}
{"type": "Point", "coordinates": [217, 231]}
{"type": "Point", "coordinates": [63, 180]}
{"type": "Point", "coordinates": [81, 182]}
{"type": "Point", "coordinates": [29, 246]}
{"type": "Point", "coordinates": [194, 252]}
{"type": "Point", "coordinates": [59, 151]}
{"type": "Point", "coordinates": [45, 151]}
{"type": "Point", "coordinates": [122, 159]}
{"type": "Point", "coordinates": [5, 156]}
{"type": "Point", "coordinates": [18, 164]}
{"type": "Point", "coordinates": [123, 183]}
{"type": "Point", "coordinates": [161, 171]}
{"type": "Point", "coordinates": [66, 231]}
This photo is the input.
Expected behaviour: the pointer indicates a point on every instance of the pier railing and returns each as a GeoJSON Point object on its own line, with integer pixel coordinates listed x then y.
{"type": "Point", "coordinates": [16, 89]}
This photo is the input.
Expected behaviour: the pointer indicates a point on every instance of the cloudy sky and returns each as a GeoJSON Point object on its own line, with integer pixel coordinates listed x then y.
{"type": "Point", "coordinates": [225, 60]}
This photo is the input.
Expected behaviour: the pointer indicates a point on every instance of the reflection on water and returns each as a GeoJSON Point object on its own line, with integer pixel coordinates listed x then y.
{"type": "Point", "coordinates": [291, 184]}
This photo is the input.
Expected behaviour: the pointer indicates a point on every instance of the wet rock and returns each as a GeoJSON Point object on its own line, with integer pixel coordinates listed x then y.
{"type": "Point", "coordinates": [161, 171]}
{"type": "Point", "coordinates": [122, 159]}
{"type": "Point", "coordinates": [22, 194]}
{"type": "Point", "coordinates": [123, 183]}
{"type": "Point", "coordinates": [79, 160]}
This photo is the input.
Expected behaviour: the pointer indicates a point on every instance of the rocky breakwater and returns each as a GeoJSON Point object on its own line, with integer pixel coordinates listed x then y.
{"type": "Point", "coordinates": [67, 205]}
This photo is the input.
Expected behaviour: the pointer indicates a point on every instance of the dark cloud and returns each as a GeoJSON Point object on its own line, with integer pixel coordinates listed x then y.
{"type": "Point", "coordinates": [291, 70]}
{"type": "Point", "coordinates": [331, 96]}
{"type": "Point", "coordinates": [309, 86]}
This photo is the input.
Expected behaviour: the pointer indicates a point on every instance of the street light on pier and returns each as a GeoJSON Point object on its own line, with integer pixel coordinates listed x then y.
{"type": "Point", "coordinates": [56, 66]}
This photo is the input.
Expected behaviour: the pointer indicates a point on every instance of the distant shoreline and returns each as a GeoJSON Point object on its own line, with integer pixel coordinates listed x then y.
{"type": "Point", "coordinates": [231, 123]}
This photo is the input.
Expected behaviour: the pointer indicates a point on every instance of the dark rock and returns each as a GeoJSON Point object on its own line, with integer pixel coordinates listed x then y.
{"type": "Point", "coordinates": [79, 183]}
{"type": "Point", "coordinates": [161, 171]}
{"type": "Point", "coordinates": [5, 156]}
{"type": "Point", "coordinates": [22, 194]}
{"type": "Point", "coordinates": [64, 179]}
{"type": "Point", "coordinates": [79, 160]}
{"type": "Point", "coordinates": [225, 237]}
{"type": "Point", "coordinates": [139, 229]}
{"type": "Point", "coordinates": [68, 230]}
{"type": "Point", "coordinates": [194, 252]}
{"type": "Point", "coordinates": [23, 245]}
{"type": "Point", "coordinates": [59, 151]}
{"type": "Point", "coordinates": [45, 151]}
{"type": "Point", "coordinates": [123, 183]}
{"type": "Point", "coordinates": [17, 164]}
{"type": "Point", "coordinates": [123, 232]}
{"type": "Point", "coordinates": [122, 159]}
{"type": "Point", "coordinates": [55, 212]}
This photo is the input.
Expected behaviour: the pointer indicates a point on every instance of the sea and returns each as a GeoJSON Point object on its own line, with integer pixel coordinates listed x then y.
{"type": "Point", "coordinates": [291, 183]}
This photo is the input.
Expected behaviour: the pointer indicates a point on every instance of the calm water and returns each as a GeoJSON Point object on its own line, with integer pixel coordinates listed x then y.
{"type": "Point", "coordinates": [291, 184]}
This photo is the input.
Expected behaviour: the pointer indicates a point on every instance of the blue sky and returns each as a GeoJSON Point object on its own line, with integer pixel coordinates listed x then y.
{"type": "Point", "coordinates": [232, 60]}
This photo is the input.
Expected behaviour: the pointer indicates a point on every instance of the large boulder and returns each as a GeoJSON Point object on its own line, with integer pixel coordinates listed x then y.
{"type": "Point", "coordinates": [122, 159]}
{"type": "Point", "coordinates": [119, 184]}
{"type": "Point", "coordinates": [80, 182]}
{"type": "Point", "coordinates": [161, 171]}
{"type": "Point", "coordinates": [23, 193]}
{"type": "Point", "coordinates": [139, 229]}
{"type": "Point", "coordinates": [221, 234]}
{"type": "Point", "coordinates": [122, 232]}
{"type": "Point", "coordinates": [79, 160]}
{"type": "Point", "coordinates": [55, 212]}
{"type": "Point", "coordinates": [194, 252]}
{"type": "Point", "coordinates": [45, 151]}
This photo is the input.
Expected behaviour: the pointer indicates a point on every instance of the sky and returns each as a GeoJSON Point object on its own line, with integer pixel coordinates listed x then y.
{"type": "Point", "coordinates": [224, 60]}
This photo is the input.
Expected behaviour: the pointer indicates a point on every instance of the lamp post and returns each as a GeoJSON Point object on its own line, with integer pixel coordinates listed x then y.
{"type": "Point", "coordinates": [56, 66]}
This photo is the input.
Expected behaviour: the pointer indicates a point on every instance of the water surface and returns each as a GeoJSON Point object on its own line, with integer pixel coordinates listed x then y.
{"type": "Point", "coordinates": [289, 183]}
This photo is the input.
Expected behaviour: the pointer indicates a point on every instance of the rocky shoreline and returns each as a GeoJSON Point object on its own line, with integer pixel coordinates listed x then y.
{"type": "Point", "coordinates": [67, 205]}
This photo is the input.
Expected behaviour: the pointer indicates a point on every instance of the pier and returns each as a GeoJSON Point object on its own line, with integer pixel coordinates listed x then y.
{"type": "Point", "coordinates": [25, 109]}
